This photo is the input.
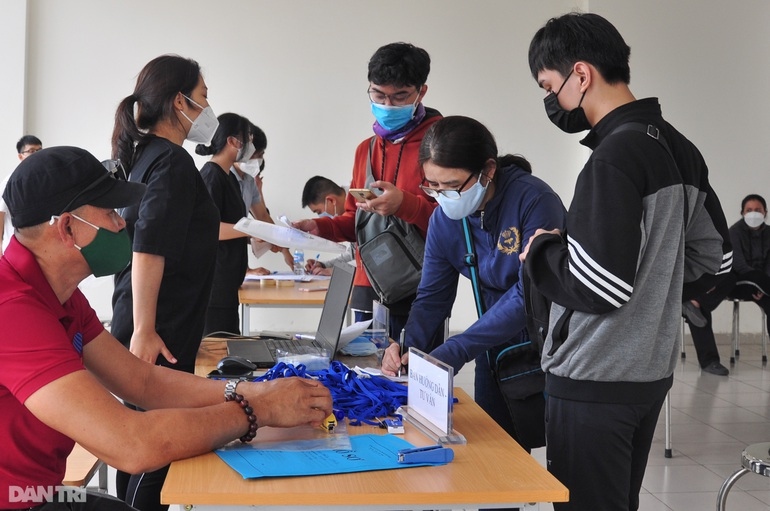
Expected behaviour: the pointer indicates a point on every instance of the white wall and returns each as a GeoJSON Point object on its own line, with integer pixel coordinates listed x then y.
{"type": "Point", "coordinates": [297, 68]}
{"type": "Point", "coordinates": [13, 40]}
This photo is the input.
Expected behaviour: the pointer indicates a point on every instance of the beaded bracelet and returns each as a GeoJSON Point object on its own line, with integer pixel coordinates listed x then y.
{"type": "Point", "coordinates": [249, 411]}
{"type": "Point", "coordinates": [231, 395]}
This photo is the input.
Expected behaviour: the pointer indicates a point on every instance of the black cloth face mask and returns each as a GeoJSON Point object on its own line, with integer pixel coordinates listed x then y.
{"type": "Point", "coordinates": [569, 121]}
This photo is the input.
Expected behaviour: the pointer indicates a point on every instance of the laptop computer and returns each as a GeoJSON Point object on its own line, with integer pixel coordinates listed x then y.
{"type": "Point", "coordinates": [261, 351]}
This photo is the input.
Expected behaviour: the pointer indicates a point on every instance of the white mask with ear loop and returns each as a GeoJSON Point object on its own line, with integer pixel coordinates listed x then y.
{"type": "Point", "coordinates": [245, 153]}
{"type": "Point", "coordinates": [251, 167]}
{"type": "Point", "coordinates": [204, 126]}
{"type": "Point", "coordinates": [754, 219]}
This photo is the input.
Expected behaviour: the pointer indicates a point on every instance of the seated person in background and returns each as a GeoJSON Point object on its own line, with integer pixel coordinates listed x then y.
{"type": "Point", "coordinates": [748, 280]}
{"type": "Point", "coordinates": [61, 371]}
{"type": "Point", "coordinates": [249, 178]}
{"type": "Point", "coordinates": [751, 254]}
{"type": "Point", "coordinates": [325, 198]}
{"type": "Point", "coordinates": [28, 144]}
{"type": "Point", "coordinates": [503, 204]}
{"type": "Point", "coordinates": [697, 314]}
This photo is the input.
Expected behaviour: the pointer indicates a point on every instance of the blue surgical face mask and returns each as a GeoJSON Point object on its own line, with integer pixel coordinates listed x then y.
{"type": "Point", "coordinates": [394, 117]}
{"type": "Point", "coordinates": [359, 347]}
{"type": "Point", "coordinates": [325, 214]}
{"type": "Point", "coordinates": [468, 202]}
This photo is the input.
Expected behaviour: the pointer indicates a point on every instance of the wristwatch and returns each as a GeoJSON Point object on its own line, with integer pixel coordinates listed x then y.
{"type": "Point", "coordinates": [230, 387]}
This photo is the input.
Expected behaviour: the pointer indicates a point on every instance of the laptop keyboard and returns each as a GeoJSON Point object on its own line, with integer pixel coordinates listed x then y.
{"type": "Point", "coordinates": [287, 345]}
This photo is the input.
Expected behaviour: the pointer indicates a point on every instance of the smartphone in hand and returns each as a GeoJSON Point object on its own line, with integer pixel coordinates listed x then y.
{"type": "Point", "coordinates": [362, 194]}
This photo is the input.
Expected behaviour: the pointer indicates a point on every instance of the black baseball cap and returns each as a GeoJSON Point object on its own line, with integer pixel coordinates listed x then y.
{"type": "Point", "coordinates": [60, 179]}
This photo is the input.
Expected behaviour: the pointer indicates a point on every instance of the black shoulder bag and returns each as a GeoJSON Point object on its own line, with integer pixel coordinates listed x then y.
{"type": "Point", "coordinates": [391, 250]}
{"type": "Point", "coordinates": [516, 369]}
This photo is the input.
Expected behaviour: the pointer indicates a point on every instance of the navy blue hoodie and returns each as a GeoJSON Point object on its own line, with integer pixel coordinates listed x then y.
{"type": "Point", "coordinates": [522, 204]}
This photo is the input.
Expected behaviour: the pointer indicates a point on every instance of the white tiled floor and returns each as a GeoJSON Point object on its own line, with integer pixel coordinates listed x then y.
{"type": "Point", "coordinates": [712, 419]}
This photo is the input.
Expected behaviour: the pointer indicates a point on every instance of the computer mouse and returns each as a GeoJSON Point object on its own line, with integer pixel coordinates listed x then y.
{"type": "Point", "coordinates": [233, 364]}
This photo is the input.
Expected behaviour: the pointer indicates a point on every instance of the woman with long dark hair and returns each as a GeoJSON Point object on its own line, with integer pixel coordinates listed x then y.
{"type": "Point", "coordinates": [232, 143]}
{"type": "Point", "coordinates": [160, 299]}
{"type": "Point", "coordinates": [504, 204]}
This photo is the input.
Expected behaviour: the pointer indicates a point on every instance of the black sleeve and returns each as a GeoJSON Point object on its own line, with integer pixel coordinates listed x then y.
{"type": "Point", "coordinates": [593, 267]}
{"type": "Point", "coordinates": [166, 210]}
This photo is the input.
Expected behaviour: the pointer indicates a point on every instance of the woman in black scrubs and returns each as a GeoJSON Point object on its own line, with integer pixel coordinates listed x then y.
{"type": "Point", "coordinates": [160, 299]}
{"type": "Point", "coordinates": [232, 143]}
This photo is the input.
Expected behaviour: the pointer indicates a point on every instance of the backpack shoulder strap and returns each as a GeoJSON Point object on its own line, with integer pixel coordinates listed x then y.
{"type": "Point", "coordinates": [654, 133]}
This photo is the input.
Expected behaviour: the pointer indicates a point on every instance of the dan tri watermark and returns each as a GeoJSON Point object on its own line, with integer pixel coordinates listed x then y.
{"type": "Point", "coordinates": [40, 494]}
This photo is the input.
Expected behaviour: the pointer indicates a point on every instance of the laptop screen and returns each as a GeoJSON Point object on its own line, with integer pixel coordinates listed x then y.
{"type": "Point", "coordinates": [335, 307]}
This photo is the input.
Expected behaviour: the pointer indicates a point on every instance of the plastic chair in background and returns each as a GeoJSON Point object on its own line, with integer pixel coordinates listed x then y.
{"type": "Point", "coordinates": [735, 353]}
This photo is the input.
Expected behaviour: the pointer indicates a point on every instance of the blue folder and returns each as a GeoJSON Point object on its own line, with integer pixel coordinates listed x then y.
{"type": "Point", "coordinates": [367, 453]}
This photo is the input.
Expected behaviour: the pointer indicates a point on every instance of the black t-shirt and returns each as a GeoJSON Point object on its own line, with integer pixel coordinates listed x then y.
{"type": "Point", "coordinates": [178, 220]}
{"type": "Point", "coordinates": [232, 255]}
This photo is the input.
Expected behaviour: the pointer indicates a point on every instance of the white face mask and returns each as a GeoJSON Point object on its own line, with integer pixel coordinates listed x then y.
{"type": "Point", "coordinates": [245, 153]}
{"type": "Point", "coordinates": [204, 126]}
{"type": "Point", "coordinates": [251, 167]}
{"type": "Point", "coordinates": [468, 202]}
{"type": "Point", "coordinates": [754, 219]}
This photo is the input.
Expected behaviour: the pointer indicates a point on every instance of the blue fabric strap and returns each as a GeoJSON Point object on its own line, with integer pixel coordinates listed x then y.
{"type": "Point", "coordinates": [360, 399]}
{"type": "Point", "coordinates": [472, 263]}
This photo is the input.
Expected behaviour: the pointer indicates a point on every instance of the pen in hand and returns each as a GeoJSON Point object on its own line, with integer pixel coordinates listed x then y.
{"type": "Point", "coordinates": [401, 350]}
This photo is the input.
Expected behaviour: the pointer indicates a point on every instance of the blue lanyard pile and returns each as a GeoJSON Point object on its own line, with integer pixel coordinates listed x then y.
{"type": "Point", "coordinates": [360, 399]}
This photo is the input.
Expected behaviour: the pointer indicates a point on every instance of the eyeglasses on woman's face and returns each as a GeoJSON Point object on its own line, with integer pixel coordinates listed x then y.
{"type": "Point", "coordinates": [449, 193]}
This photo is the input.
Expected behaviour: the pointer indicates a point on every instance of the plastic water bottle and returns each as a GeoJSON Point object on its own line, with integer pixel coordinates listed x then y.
{"type": "Point", "coordinates": [299, 262]}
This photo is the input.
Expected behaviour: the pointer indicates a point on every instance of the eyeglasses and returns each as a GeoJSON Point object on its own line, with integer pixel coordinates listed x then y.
{"type": "Point", "coordinates": [31, 150]}
{"type": "Point", "coordinates": [397, 99]}
{"type": "Point", "coordinates": [449, 194]}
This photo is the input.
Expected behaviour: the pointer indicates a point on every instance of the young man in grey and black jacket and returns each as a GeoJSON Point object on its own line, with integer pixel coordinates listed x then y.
{"type": "Point", "coordinates": [644, 222]}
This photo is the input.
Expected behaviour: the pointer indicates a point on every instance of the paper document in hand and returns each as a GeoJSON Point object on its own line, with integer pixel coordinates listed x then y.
{"type": "Point", "coordinates": [259, 247]}
{"type": "Point", "coordinates": [286, 236]}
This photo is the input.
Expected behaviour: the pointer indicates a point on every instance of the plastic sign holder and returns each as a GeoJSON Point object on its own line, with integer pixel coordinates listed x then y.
{"type": "Point", "coordinates": [430, 398]}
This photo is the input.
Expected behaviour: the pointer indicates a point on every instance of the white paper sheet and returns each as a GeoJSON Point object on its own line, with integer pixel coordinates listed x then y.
{"type": "Point", "coordinates": [350, 332]}
{"type": "Point", "coordinates": [287, 276]}
{"type": "Point", "coordinates": [287, 236]}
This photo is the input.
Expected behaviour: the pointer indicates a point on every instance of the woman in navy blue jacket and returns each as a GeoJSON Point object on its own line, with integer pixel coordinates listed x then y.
{"type": "Point", "coordinates": [504, 204]}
